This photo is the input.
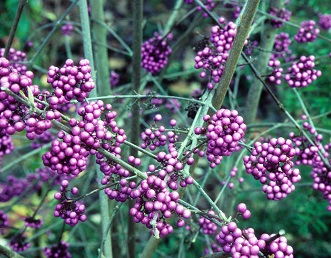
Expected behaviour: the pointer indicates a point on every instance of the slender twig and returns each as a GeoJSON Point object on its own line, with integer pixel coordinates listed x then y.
{"type": "Point", "coordinates": [9, 253]}
{"type": "Point", "coordinates": [12, 32]}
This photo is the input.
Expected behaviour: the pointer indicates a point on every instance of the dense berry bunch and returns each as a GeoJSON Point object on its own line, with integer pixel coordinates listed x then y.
{"type": "Point", "coordinates": [154, 204]}
{"type": "Point", "coordinates": [114, 79]}
{"type": "Point", "coordinates": [276, 75]}
{"type": "Point", "coordinates": [16, 57]}
{"type": "Point", "coordinates": [3, 221]}
{"type": "Point", "coordinates": [214, 248]}
{"type": "Point", "coordinates": [213, 58]}
{"type": "Point", "coordinates": [208, 227]}
{"type": "Point", "coordinates": [281, 46]}
{"type": "Point", "coordinates": [6, 144]}
{"type": "Point", "coordinates": [14, 116]}
{"type": "Point", "coordinates": [209, 4]}
{"type": "Point", "coordinates": [324, 21]}
{"type": "Point", "coordinates": [271, 164]}
{"type": "Point", "coordinates": [33, 222]}
{"type": "Point", "coordinates": [283, 14]}
{"type": "Point", "coordinates": [276, 248]}
{"type": "Point", "coordinates": [19, 244]}
{"type": "Point", "coordinates": [42, 139]}
{"type": "Point", "coordinates": [13, 187]}
{"type": "Point", "coordinates": [67, 29]}
{"type": "Point", "coordinates": [70, 82]}
{"type": "Point", "coordinates": [69, 210]}
{"type": "Point", "coordinates": [57, 251]}
{"type": "Point", "coordinates": [67, 155]}
{"type": "Point", "coordinates": [154, 136]}
{"type": "Point", "coordinates": [302, 73]}
{"type": "Point", "coordinates": [244, 243]}
{"type": "Point", "coordinates": [224, 131]}
{"type": "Point", "coordinates": [308, 32]}
{"type": "Point", "coordinates": [155, 52]}
{"type": "Point", "coordinates": [171, 168]}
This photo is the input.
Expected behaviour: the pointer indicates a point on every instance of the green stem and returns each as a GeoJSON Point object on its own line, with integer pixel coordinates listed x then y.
{"type": "Point", "coordinates": [243, 28]}
{"type": "Point", "coordinates": [13, 29]}
{"type": "Point", "coordinates": [9, 253]}
{"type": "Point", "coordinates": [267, 41]}
{"type": "Point", "coordinates": [137, 16]}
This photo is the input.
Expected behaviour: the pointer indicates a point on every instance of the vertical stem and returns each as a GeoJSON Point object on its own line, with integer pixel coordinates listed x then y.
{"type": "Point", "coordinates": [19, 11]}
{"type": "Point", "coordinates": [267, 41]}
{"type": "Point", "coordinates": [137, 9]}
{"type": "Point", "coordinates": [99, 34]}
{"type": "Point", "coordinates": [86, 35]}
{"type": "Point", "coordinates": [104, 207]}
{"type": "Point", "coordinates": [245, 21]}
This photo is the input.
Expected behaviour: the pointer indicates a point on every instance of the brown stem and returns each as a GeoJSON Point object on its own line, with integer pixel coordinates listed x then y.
{"type": "Point", "coordinates": [19, 11]}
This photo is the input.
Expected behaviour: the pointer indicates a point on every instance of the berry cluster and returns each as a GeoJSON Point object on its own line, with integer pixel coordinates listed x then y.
{"type": "Point", "coordinates": [67, 29]}
{"type": "Point", "coordinates": [281, 46]}
{"type": "Point", "coordinates": [114, 79]}
{"type": "Point", "coordinates": [154, 136]}
{"type": "Point", "coordinates": [208, 227]}
{"type": "Point", "coordinates": [19, 244]}
{"type": "Point", "coordinates": [213, 58]}
{"type": "Point", "coordinates": [14, 116]}
{"type": "Point", "coordinates": [33, 222]}
{"type": "Point", "coordinates": [154, 204]}
{"type": "Point", "coordinates": [209, 4]}
{"type": "Point", "coordinates": [324, 21]}
{"type": "Point", "coordinates": [59, 250]}
{"type": "Point", "coordinates": [3, 221]}
{"type": "Point", "coordinates": [271, 164]}
{"type": "Point", "coordinates": [6, 144]}
{"type": "Point", "coordinates": [69, 210]}
{"type": "Point", "coordinates": [155, 52]}
{"type": "Point", "coordinates": [224, 131]}
{"type": "Point", "coordinates": [70, 82]}
{"type": "Point", "coordinates": [244, 243]}
{"type": "Point", "coordinates": [283, 14]}
{"type": "Point", "coordinates": [302, 73]}
{"type": "Point", "coordinates": [308, 32]}
{"type": "Point", "coordinates": [16, 57]}
{"type": "Point", "coordinates": [276, 75]}
{"type": "Point", "coordinates": [42, 139]}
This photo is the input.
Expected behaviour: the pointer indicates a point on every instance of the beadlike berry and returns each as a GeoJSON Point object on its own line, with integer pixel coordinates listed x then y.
{"type": "Point", "coordinates": [224, 131]}
{"type": "Point", "coordinates": [67, 29]}
{"type": "Point", "coordinates": [154, 53]}
{"type": "Point", "coordinates": [308, 32]}
{"type": "Point", "coordinates": [324, 21]}
{"type": "Point", "coordinates": [283, 14]}
{"type": "Point", "coordinates": [213, 58]}
{"type": "Point", "coordinates": [302, 73]}
{"type": "Point", "coordinates": [271, 164]}
{"type": "Point", "coordinates": [57, 251]}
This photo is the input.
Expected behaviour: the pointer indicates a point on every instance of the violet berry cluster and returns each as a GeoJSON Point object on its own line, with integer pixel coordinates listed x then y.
{"type": "Point", "coordinates": [324, 21]}
{"type": "Point", "coordinates": [69, 210]}
{"type": "Point", "coordinates": [213, 58]}
{"type": "Point", "coordinates": [114, 79]}
{"type": "Point", "coordinates": [154, 136]}
{"type": "Point", "coordinates": [283, 14]}
{"type": "Point", "coordinates": [6, 144]}
{"type": "Point", "coordinates": [3, 221]}
{"type": "Point", "coordinates": [208, 227]}
{"type": "Point", "coordinates": [33, 222]}
{"type": "Point", "coordinates": [224, 131]}
{"type": "Point", "coordinates": [308, 32]}
{"type": "Point", "coordinates": [57, 251]}
{"type": "Point", "coordinates": [281, 46]}
{"type": "Point", "coordinates": [209, 4]}
{"type": "Point", "coordinates": [19, 244]}
{"type": "Point", "coordinates": [67, 29]}
{"type": "Point", "coordinates": [70, 82]}
{"type": "Point", "coordinates": [276, 76]}
{"type": "Point", "coordinates": [271, 163]}
{"type": "Point", "coordinates": [15, 57]}
{"type": "Point", "coordinates": [155, 204]}
{"type": "Point", "coordinates": [302, 73]}
{"type": "Point", "coordinates": [155, 53]}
